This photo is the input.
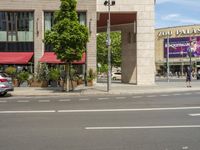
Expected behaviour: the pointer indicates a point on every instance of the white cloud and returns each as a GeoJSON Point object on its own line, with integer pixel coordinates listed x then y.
{"type": "Point", "coordinates": [171, 17]}
{"type": "Point", "coordinates": [189, 21]}
{"type": "Point", "coordinates": [190, 3]}
{"type": "Point", "coordinates": [180, 19]}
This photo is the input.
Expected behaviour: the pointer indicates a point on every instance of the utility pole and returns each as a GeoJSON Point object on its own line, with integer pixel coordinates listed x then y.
{"type": "Point", "coordinates": [108, 43]}
{"type": "Point", "coordinates": [168, 67]}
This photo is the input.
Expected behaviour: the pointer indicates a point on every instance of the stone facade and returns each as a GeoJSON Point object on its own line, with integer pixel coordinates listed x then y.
{"type": "Point", "coordinates": [38, 7]}
{"type": "Point", "coordinates": [138, 38]}
{"type": "Point", "coordinates": [138, 57]}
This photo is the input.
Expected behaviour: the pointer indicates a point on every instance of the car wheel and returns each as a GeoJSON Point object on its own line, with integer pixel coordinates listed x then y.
{"type": "Point", "coordinates": [3, 94]}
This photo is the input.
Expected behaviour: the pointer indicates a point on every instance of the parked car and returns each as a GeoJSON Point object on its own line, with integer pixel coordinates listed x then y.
{"type": "Point", "coordinates": [116, 76]}
{"type": "Point", "coordinates": [198, 75]}
{"type": "Point", "coordinates": [5, 84]}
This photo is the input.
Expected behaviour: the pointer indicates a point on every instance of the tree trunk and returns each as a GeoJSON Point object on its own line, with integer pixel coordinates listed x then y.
{"type": "Point", "coordinates": [65, 86]}
{"type": "Point", "coordinates": [70, 76]}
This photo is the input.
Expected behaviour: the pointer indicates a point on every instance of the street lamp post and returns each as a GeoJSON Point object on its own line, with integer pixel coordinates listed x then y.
{"type": "Point", "coordinates": [168, 67]}
{"type": "Point", "coordinates": [181, 61]}
{"type": "Point", "coordinates": [108, 42]}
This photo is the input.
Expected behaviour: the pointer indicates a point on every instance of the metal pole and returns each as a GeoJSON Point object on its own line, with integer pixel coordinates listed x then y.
{"type": "Point", "coordinates": [168, 67]}
{"type": "Point", "coordinates": [182, 65]}
{"type": "Point", "coordinates": [190, 60]}
{"type": "Point", "coordinates": [109, 49]}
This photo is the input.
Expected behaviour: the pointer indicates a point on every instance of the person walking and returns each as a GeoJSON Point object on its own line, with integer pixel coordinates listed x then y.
{"type": "Point", "coordinates": [188, 76]}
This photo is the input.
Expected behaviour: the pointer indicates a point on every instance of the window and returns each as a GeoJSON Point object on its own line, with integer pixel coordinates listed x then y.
{"type": "Point", "coordinates": [16, 31]}
{"type": "Point", "coordinates": [2, 21]}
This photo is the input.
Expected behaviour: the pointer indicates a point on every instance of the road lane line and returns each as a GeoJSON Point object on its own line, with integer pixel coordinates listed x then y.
{"type": "Point", "coordinates": [64, 100]}
{"type": "Point", "coordinates": [23, 101]}
{"type": "Point", "coordinates": [194, 115]}
{"type": "Point", "coordinates": [84, 99]}
{"type": "Point", "coordinates": [137, 96]}
{"type": "Point", "coordinates": [176, 94]}
{"type": "Point", "coordinates": [187, 93]}
{"type": "Point", "coordinates": [27, 111]}
{"type": "Point", "coordinates": [164, 95]}
{"type": "Point", "coordinates": [152, 96]}
{"type": "Point", "coordinates": [120, 97]}
{"type": "Point", "coordinates": [103, 98]}
{"type": "Point", "coordinates": [127, 110]}
{"type": "Point", "coordinates": [3, 101]}
{"type": "Point", "coordinates": [43, 101]}
{"type": "Point", "coordinates": [142, 127]}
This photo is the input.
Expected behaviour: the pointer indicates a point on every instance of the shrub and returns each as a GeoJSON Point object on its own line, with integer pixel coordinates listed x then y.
{"type": "Point", "coordinates": [91, 75]}
{"type": "Point", "coordinates": [22, 77]}
{"type": "Point", "coordinates": [11, 71]}
{"type": "Point", "coordinates": [42, 72]}
{"type": "Point", "coordinates": [54, 74]}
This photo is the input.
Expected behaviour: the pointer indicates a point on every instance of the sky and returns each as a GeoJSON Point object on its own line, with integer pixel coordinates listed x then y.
{"type": "Point", "coordinates": [171, 13]}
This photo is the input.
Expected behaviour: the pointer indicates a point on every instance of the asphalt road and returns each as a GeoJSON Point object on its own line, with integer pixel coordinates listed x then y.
{"type": "Point", "coordinates": [169, 121]}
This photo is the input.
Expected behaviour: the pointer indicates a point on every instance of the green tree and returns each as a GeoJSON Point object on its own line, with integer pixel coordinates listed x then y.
{"type": "Point", "coordinates": [67, 36]}
{"type": "Point", "coordinates": [102, 51]}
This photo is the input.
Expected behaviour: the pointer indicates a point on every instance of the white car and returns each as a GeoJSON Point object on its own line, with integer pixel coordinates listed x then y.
{"type": "Point", "coordinates": [5, 84]}
{"type": "Point", "coordinates": [116, 76]}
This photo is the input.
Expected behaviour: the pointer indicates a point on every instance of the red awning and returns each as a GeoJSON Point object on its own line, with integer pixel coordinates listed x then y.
{"type": "Point", "coordinates": [51, 58]}
{"type": "Point", "coordinates": [15, 57]}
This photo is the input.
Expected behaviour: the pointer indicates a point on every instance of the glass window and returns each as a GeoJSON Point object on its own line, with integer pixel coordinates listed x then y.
{"type": "Point", "coordinates": [16, 31]}
{"type": "Point", "coordinates": [82, 18]}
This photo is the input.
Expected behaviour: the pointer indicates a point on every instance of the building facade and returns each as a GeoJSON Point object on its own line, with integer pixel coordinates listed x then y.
{"type": "Point", "coordinates": [184, 49]}
{"type": "Point", "coordinates": [23, 24]}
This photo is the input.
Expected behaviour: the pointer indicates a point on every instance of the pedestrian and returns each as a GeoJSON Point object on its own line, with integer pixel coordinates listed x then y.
{"type": "Point", "coordinates": [188, 76]}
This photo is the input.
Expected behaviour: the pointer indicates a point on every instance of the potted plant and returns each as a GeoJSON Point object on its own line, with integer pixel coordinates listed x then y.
{"type": "Point", "coordinates": [91, 76]}
{"type": "Point", "coordinates": [79, 79]}
{"type": "Point", "coordinates": [54, 76]}
{"type": "Point", "coordinates": [11, 71]}
{"type": "Point", "coordinates": [42, 75]}
{"type": "Point", "coordinates": [22, 77]}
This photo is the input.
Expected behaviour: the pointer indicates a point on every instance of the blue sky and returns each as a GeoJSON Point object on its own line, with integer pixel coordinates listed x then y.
{"type": "Point", "coordinates": [177, 12]}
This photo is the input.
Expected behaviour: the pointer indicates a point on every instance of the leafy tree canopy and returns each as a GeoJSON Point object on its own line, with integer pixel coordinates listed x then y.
{"type": "Point", "coordinates": [67, 36]}
{"type": "Point", "coordinates": [102, 50]}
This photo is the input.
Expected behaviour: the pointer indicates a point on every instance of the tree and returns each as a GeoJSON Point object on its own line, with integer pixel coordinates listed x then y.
{"type": "Point", "coordinates": [67, 36]}
{"type": "Point", "coordinates": [102, 51]}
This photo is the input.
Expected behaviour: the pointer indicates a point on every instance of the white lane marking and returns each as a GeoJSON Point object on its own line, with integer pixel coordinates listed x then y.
{"type": "Point", "coordinates": [127, 110]}
{"type": "Point", "coordinates": [142, 127]}
{"type": "Point", "coordinates": [103, 98]}
{"type": "Point", "coordinates": [120, 97]}
{"type": "Point", "coordinates": [64, 100]}
{"type": "Point", "coordinates": [3, 101]}
{"type": "Point", "coordinates": [84, 99]}
{"type": "Point", "coordinates": [28, 111]}
{"type": "Point", "coordinates": [176, 94]}
{"type": "Point", "coordinates": [185, 147]}
{"type": "Point", "coordinates": [152, 96]}
{"type": "Point", "coordinates": [23, 101]}
{"type": "Point", "coordinates": [194, 115]}
{"type": "Point", "coordinates": [137, 97]}
{"type": "Point", "coordinates": [99, 110]}
{"type": "Point", "coordinates": [43, 101]}
{"type": "Point", "coordinates": [164, 95]}
{"type": "Point", "coordinates": [187, 93]}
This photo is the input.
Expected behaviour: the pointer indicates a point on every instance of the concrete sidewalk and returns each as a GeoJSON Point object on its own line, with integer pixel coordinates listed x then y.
{"type": "Point", "coordinates": [101, 88]}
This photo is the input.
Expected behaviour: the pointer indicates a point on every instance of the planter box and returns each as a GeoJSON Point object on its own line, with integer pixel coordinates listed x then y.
{"type": "Point", "coordinates": [89, 83]}
{"type": "Point", "coordinates": [15, 83]}
{"type": "Point", "coordinates": [39, 84]}
{"type": "Point", "coordinates": [80, 81]}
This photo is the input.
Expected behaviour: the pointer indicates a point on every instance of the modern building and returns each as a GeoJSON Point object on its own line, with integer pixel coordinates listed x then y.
{"type": "Point", "coordinates": [23, 24]}
{"type": "Point", "coordinates": [184, 43]}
